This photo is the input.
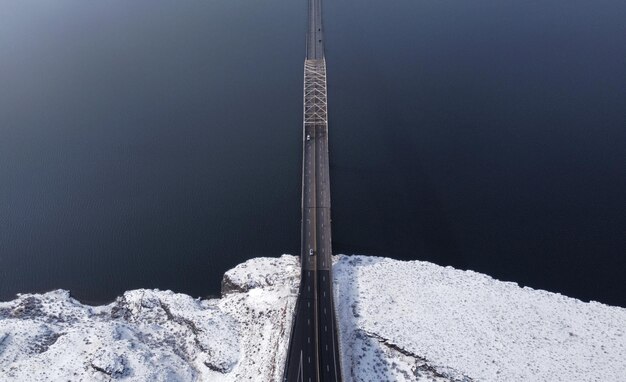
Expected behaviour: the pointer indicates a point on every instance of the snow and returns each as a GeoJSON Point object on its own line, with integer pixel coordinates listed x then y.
{"type": "Point", "coordinates": [399, 321]}
{"type": "Point", "coordinates": [468, 325]}
{"type": "Point", "coordinates": [152, 335]}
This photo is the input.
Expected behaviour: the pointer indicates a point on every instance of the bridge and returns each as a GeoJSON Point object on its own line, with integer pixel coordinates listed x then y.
{"type": "Point", "coordinates": [313, 354]}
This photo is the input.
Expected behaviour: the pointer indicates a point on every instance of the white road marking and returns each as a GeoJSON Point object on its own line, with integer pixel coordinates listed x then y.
{"type": "Point", "coordinates": [300, 367]}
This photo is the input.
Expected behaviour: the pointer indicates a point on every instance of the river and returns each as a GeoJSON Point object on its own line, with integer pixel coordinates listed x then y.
{"type": "Point", "coordinates": [156, 144]}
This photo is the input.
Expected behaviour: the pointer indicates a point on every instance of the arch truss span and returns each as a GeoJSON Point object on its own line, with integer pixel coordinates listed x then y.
{"type": "Point", "coordinates": [315, 100]}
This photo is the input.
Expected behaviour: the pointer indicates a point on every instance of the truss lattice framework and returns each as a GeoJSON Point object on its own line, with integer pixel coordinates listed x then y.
{"type": "Point", "coordinates": [315, 92]}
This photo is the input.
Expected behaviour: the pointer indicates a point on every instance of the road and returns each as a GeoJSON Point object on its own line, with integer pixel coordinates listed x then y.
{"type": "Point", "coordinates": [313, 354]}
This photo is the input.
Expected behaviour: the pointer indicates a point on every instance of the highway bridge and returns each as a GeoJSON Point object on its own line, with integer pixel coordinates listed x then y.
{"type": "Point", "coordinates": [313, 354]}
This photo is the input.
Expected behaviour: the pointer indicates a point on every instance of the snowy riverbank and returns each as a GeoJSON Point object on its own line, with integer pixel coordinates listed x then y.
{"type": "Point", "coordinates": [399, 321]}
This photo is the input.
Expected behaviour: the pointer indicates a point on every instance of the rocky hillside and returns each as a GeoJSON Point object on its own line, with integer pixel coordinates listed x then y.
{"type": "Point", "coordinates": [399, 321]}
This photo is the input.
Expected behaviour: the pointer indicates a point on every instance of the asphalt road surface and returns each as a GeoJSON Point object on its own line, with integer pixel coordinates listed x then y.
{"type": "Point", "coordinates": [313, 353]}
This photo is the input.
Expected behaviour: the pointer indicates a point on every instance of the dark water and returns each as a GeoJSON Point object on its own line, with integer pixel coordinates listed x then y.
{"type": "Point", "coordinates": [157, 143]}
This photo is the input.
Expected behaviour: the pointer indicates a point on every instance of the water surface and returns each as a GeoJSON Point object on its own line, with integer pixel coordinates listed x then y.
{"type": "Point", "coordinates": [157, 143]}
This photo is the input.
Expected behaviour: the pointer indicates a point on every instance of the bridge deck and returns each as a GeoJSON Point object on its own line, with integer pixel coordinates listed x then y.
{"type": "Point", "coordinates": [313, 354]}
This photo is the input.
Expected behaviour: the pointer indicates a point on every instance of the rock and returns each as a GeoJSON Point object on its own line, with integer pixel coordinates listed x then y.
{"type": "Point", "coordinates": [400, 321]}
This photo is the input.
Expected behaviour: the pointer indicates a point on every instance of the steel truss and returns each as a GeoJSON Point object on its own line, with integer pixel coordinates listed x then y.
{"type": "Point", "coordinates": [315, 112]}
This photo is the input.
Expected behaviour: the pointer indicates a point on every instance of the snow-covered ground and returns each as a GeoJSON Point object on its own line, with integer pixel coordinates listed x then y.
{"type": "Point", "coordinates": [396, 317]}
{"type": "Point", "coordinates": [399, 321]}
